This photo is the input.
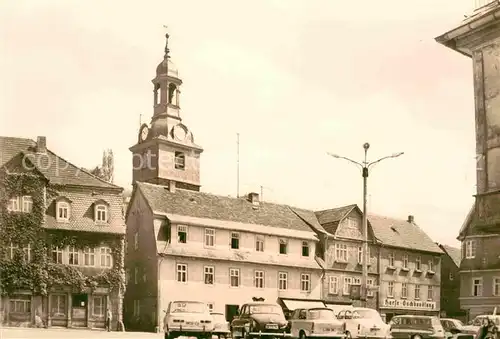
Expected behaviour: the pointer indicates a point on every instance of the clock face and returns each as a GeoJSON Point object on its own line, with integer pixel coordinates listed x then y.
{"type": "Point", "coordinates": [144, 133]}
{"type": "Point", "coordinates": [179, 133]}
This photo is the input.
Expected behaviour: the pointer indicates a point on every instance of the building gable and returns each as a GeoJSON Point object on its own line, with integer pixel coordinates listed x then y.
{"type": "Point", "coordinates": [351, 226]}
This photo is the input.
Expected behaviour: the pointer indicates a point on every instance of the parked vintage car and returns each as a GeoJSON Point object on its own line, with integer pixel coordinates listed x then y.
{"type": "Point", "coordinates": [364, 323]}
{"type": "Point", "coordinates": [188, 318]}
{"type": "Point", "coordinates": [416, 327]}
{"type": "Point", "coordinates": [316, 323]}
{"type": "Point", "coordinates": [221, 325]}
{"type": "Point", "coordinates": [478, 321]}
{"type": "Point", "coordinates": [455, 326]}
{"type": "Point", "coordinates": [257, 319]}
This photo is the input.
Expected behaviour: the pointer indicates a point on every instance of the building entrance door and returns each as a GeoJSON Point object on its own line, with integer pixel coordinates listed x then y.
{"type": "Point", "coordinates": [79, 310]}
{"type": "Point", "coordinates": [59, 310]}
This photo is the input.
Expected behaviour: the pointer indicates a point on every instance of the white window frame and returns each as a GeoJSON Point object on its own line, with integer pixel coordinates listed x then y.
{"type": "Point", "coordinates": [390, 289]}
{"type": "Point", "coordinates": [101, 308]}
{"type": "Point", "coordinates": [209, 237]}
{"type": "Point", "coordinates": [496, 286]}
{"type": "Point", "coordinates": [27, 253]}
{"type": "Point", "coordinates": [181, 273]}
{"type": "Point", "coordinates": [73, 254]}
{"type": "Point", "coordinates": [207, 272]}
{"type": "Point", "coordinates": [283, 241]}
{"type": "Point", "coordinates": [333, 285]}
{"type": "Point", "coordinates": [404, 290]}
{"type": "Point", "coordinates": [27, 202]}
{"type": "Point", "coordinates": [259, 279]}
{"type": "Point", "coordinates": [417, 292]}
{"type": "Point", "coordinates": [470, 249]}
{"type": "Point", "coordinates": [136, 240]}
{"type": "Point", "coordinates": [101, 213]}
{"type": "Point", "coordinates": [304, 245]}
{"type": "Point", "coordinates": [182, 229]}
{"type": "Point", "coordinates": [418, 263]}
{"type": "Point", "coordinates": [430, 265]}
{"type": "Point", "coordinates": [62, 211]}
{"type": "Point", "coordinates": [370, 283]}
{"type": "Point", "coordinates": [59, 254]}
{"type": "Point", "coordinates": [235, 236]}
{"type": "Point", "coordinates": [479, 286]}
{"type": "Point", "coordinates": [12, 249]}
{"type": "Point", "coordinates": [89, 257]}
{"type": "Point", "coordinates": [360, 254]}
{"type": "Point", "coordinates": [305, 282]}
{"type": "Point", "coordinates": [14, 205]}
{"type": "Point", "coordinates": [259, 243]}
{"type": "Point", "coordinates": [105, 257]}
{"type": "Point", "coordinates": [392, 259]}
{"type": "Point", "coordinates": [341, 252]}
{"type": "Point", "coordinates": [405, 261]}
{"type": "Point", "coordinates": [346, 287]}
{"type": "Point", "coordinates": [430, 292]}
{"type": "Point", "coordinates": [282, 281]}
{"type": "Point", "coordinates": [234, 273]}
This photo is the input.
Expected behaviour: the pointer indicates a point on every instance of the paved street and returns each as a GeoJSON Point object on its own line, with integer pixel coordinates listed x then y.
{"type": "Point", "coordinates": [20, 333]}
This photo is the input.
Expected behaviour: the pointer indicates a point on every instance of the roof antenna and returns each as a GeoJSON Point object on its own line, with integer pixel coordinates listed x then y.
{"type": "Point", "coordinates": [167, 51]}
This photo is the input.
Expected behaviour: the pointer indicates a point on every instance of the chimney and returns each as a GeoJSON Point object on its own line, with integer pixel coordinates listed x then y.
{"type": "Point", "coordinates": [41, 144]}
{"type": "Point", "coordinates": [253, 198]}
{"type": "Point", "coordinates": [410, 219]}
{"type": "Point", "coordinates": [171, 186]}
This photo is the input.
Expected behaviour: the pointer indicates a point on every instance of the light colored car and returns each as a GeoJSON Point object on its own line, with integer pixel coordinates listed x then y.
{"type": "Point", "coordinates": [188, 318]}
{"type": "Point", "coordinates": [478, 321]}
{"type": "Point", "coordinates": [221, 325]}
{"type": "Point", "coordinates": [455, 326]}
{"type": "Point", "coordinates": [316, 323]}
{"type": "Point", "coordinates": [364, 323]}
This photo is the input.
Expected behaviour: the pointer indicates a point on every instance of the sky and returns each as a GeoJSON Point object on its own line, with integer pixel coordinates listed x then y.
{"type": "Point", "coordinates": [295, 78]}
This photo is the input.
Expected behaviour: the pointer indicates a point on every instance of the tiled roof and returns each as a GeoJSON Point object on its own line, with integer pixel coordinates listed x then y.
{"type": "Point", "coordinates": [331, 218]}
{"type": "Point", "coordinates": [401, 233]}
{"type": "Point", "coordinates": [454, 253]}
{"type": "Point", "coordinates": [210, 206]}
{"type": "Point", "coordinates": [56, 169]}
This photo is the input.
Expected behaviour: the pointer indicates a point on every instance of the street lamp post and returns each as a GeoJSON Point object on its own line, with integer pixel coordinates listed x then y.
{"type": "Point", "coordinates": [365, 167]}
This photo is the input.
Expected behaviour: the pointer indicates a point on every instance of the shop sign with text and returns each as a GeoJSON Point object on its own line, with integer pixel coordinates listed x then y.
{"type": "Point", "coordinates": [409, 304]}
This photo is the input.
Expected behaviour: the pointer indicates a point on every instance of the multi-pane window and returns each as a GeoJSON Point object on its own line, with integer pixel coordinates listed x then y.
{"type": "Point", "coordinates": [89, 256]}
{"type": "Point", "coordinates": [369, 284]}
{"type": "Point", "coordinates": [405, 261]}
{"type": "Point", "coordinates": [305, 249]}
{"type": "Point", "coordinates": [209, 237]}
{"type": "Point", "coordinates": [181, 272]}
{"type": "Point", "coordinates": [259, 279]}
{"type": "Point", "coordinates": [12, 249]}
{"type": "Point", "coordinates": [209, 275]}
{"type": "Point", "coordinates": [57, 255]}
{"type": "Point", "coordinates": [418, 263]}
{"type": "Point", "coordinates": [101, 213]}
{"type": "Point", "coordinates": [431, 265]}
{"type": "Point", "coordinates": [333, 285]}
{"type": "Point", "coordinates": [305, 282]}
{"type": "Point", "coordinates": [98, 306]}
{"type": "Point", "coordinates": [73, 256]}
{"type": "Point", "coordinates": [404, 290]}
{"type": "Point", "coordinates": [27, 204]}
{"type": "Point", "coordinates": [235, 240]}
{"type": "Point", "coordinates": [282, 281]}
{"type": "Point", "coordinates": [62, 211]}
{"type": "Point", "coordinates": [182, 234]}
{"type": "Point", "coordinates": [470, 249]}
{"type": "Point", "coordinates": [259, 243]}
{"type": "Point", "coordinates": [391, 259]}
{"type": "Point", "coordinates": [417, 292]}
{"type": "Point", "coordinates": [347, 285]}
{"type": "Point", "coordinates": [496, 286]}
{"type": "Point", "coordinates": [180, 160]}
{"type": "Point", "coordinates": [27, 253]}
{"type": "Point", "coordinates": [341, 252]}
{"type": "Point", "coordinates": [234, 277]}
{"type": "Point", "coordinates": [20, 304]}
{"type": "Point", "coordinates": [430, 292]}
{"type": "Point", "coordinates": [360, 254]}
{"type": "Point", "coordinates": [283, 246]}
{"type": "Point", "coordinates": [58, 305]}
{"type": "Point", "coordinates": [106, 257]}
{"type": "Point", "coordinates": [477, 287]}
{"type": "Point", "coordinates": [13, 205]}
{"type": "Point", "coordinates": [390, 289]}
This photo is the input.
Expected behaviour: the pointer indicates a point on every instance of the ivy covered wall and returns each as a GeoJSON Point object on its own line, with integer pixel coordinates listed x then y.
{"type": "Point", "coordinates": [40, 274]}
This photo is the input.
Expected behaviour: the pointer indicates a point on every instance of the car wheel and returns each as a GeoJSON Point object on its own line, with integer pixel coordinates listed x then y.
{"type": "Point", "coordinates": [348, 335]}
{"type": "Point", "coordinates": [302, 335]}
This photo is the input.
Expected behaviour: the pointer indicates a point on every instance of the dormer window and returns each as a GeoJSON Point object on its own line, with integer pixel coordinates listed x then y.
{"type": "Point", "coordinates": [101, 213]}
{"type": "Point", "coordinates": [180, 161]}
{"type": "Point", "coordinates": [63, 211]}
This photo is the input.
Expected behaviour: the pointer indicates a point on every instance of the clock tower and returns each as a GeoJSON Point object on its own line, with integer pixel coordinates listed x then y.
{"type": "Point", "coordinates": [165, 153]}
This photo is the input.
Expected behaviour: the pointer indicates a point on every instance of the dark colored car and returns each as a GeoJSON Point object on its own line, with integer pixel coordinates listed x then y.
{"type": "Point", "coordinates": [416, 327]}
{"type": "Point", "coordinates": [258, 319]}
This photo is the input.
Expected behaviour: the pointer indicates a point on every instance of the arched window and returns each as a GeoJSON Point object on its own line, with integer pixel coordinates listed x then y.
{"type": "Point", "coordinates": [172, 94]}
{"type": "Point", "coordinates": [157, 94]}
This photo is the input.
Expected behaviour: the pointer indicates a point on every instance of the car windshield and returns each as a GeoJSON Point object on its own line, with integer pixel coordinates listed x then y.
{"type": "Point", "coordinates": [325, 313]}
{"type": "Point", "coordinates": [457, 323]}
{"type": "Point", "coordinates": [188, 307]}
{"type": "Point", "coordinates": [265, 309]}
{"type": "Point", "coordinates": [478, 321]}
{"type": "Point", "coordinates": [366, 314]}
{"type": "Point", "coordinates": [218, 317]}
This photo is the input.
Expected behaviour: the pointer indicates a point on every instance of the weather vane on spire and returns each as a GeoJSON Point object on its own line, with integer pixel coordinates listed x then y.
{"type": "Point", "coordinates": [167, 51]}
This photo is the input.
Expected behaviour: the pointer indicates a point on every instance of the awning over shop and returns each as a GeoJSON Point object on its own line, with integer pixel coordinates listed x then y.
{"type": "Point", "coordinates": [293, 304]}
